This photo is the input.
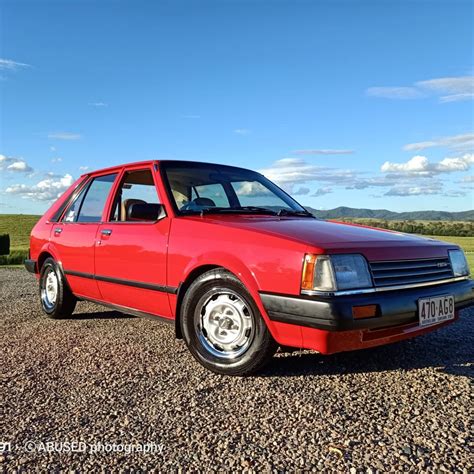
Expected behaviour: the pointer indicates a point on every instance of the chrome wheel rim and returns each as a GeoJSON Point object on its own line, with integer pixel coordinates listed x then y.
{"type": "Point", "coordinates": [49, 289]}
{"type": "Point", "coordinates": [225, 325]}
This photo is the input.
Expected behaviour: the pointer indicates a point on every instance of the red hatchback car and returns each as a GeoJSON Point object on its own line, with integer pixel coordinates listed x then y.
{"type": "Point", "coordinates": [237, 265]}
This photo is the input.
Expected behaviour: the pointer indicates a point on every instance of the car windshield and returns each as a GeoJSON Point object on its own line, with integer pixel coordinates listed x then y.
{"type": "Point", "coordinates": [207, 188]}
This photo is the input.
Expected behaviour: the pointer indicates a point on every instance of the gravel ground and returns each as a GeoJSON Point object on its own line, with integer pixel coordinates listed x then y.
{"type": "Point", "coordinates": [104, 378]}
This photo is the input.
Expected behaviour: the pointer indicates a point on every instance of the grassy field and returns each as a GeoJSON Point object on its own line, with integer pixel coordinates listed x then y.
{"type": "Point", "coordinates": [466, 243]}
{"type": "Point", "coordinates": [19, 228]}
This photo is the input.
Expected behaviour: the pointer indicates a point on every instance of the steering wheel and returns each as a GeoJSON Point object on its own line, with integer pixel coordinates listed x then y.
{"type": "Point", "coordinates": [198, 203]}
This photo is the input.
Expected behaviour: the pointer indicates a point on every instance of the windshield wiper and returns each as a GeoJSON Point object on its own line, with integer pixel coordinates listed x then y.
{"type": "Point", "coordinates": [292, 212]}
{"type": "Point", "coordinates": [237, 210]}
{"type": "Point", "coordinates": [249, 210]}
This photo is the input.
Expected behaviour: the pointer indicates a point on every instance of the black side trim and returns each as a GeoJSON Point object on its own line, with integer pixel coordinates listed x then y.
{"type": "Point", "coordinates": [119, 281]}
{"type": "Point", "coordinates": [127, 310]}
{"type": "Point", "coordinates": [30, 265]}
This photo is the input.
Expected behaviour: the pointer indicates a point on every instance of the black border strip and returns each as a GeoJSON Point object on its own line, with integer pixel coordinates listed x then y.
{"type": "Point", "coordinates": [119, 281]}
{"type": "Point", "coordinates": [131, 311]}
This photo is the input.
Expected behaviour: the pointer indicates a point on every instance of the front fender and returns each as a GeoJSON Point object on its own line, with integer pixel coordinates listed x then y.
{"type": "Point", "coordinates": [284, 334]}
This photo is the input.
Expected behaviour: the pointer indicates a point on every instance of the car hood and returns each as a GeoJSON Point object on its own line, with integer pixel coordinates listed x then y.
{"type": "Point", "coordinates": [338, 237]}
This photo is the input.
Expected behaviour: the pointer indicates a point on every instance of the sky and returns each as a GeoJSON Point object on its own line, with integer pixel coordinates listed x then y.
{"type": "Point", "coordinates": [341, 103]}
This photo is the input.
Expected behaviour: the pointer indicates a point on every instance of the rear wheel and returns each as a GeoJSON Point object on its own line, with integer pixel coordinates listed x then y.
{"type": "Point", "coordinates": [223, 327]}
{"type": "Point", "coordinates": [57, 300]}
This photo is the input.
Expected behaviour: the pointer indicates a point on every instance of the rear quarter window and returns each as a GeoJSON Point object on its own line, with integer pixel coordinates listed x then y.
{"type": "Point", "coordinates": [89, 204]}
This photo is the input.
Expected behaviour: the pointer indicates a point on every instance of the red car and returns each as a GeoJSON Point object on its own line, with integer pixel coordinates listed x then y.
{"type": "Point", "coordinates": [237, 265]}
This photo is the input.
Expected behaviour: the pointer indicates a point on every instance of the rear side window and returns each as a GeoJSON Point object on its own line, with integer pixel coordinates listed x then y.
{"type": "Point", "coordinates": [57, 215]}
{"type": "Point", "coordinates": [89, 205]}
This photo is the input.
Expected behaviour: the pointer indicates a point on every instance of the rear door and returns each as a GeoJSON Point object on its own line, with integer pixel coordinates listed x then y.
{"type": "Point", "coordinates": [74, 237]}
{"type": "Point", "coordinates": [130, 257]}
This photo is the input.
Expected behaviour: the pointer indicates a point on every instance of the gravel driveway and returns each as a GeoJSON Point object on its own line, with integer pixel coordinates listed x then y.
{"type": "Point", "coordinates": [113, 382]}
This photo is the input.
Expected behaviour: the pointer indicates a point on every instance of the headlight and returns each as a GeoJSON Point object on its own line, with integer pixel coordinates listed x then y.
{"type": "Point", "coordinates": [458, 263]}
{"type": "Point", "coordinates": [335, 272]}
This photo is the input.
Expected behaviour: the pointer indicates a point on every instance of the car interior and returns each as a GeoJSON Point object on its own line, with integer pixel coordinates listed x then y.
{"type": "Point", "coordinates": [136, 199]}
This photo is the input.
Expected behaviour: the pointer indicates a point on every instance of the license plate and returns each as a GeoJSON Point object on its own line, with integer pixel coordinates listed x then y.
{"type": "Point", "coordinates": [435, 310]}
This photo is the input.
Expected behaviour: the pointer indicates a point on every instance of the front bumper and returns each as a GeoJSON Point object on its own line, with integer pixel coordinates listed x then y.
{"type": "Point", "coordinates": [394, 308]}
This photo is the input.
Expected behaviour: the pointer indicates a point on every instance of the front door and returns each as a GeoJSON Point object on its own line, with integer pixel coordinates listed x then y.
{"type": "Point", "coordinates": [73, 239]}
{"type": "Point", "coordinates": [130, 254]}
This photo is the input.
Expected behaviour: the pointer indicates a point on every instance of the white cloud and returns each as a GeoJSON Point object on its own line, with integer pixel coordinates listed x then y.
{"type": "Point", "coordinates": [242, 131]}
{"type": "Point", "coordinates": [462, 163]}
{"type": "Point", "coordinates": [394, 92]}
{"type": "Point", "coordinates": [322, 192]}
{"type": "Point", "coordinates": [292, 173]}
{"type": "Point", "coordinates": [83, 168]}
{"type": "Point", "coordinates": [421, 166]}
{"type": "Point", "coordinates": [405, 190]}
{"type": "Point", "coordinates": [65, 136]}
{"type": "Point", "coordinates": [56, 160]}
{"type": "Point", "coordinates": [46, 190]}
{"type": "Point", "coordinates": [455, 88]}
{"type": "Point", "coordinates": [323, 152]}
{"type": "Point", "coordinates": [462, 141]}
{"type": "Point", "coordinates": [417, 164]}
{"type": "Point", "coordinates": [302, 191]}
{"type": "Point", "coordinates": [468, 179]}
{"type": "Point", "coordinates": [455, 193]}
{"type": "Point", "coordinates": [52, 148]}
{"type": "Point", "coordinates": [289, 171]}
{"type": "Point", "coordinates": [448, 89]}
{"type": "Point", "coordinates": [252, 189]}
{"type": "Point", "coordinates": [10, 65]}
{"type": "Point", "coordinates": [8, 163]}
{"type": "Point", "coordinates": [98, 104]}
{"type": "Point", "coordinates": [457, 97]}
{"type": "Point", "coordinates": [415, 177]}
{"type": "Point", "coordinates": [19, 166]}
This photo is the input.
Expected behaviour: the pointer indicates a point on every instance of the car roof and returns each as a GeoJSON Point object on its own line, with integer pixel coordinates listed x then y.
{"type": "Point", "coordinates": [151, 162]}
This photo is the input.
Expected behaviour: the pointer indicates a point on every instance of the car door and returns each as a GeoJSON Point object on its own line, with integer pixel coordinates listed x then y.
{"type": "Point", "coordinates": [131, 252]}
{"type": "Point", "coordinates": [73, 239]}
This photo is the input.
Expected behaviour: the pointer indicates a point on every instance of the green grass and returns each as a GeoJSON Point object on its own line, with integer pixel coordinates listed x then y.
{"type": "Point", "coordinates": [19, 227]}
{"type": "Point", "coordinates": [470, 261]}
{"type": "Point", "coordinates": [466, 243]}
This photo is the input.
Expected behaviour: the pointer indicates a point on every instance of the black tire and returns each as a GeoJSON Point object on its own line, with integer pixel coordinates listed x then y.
{"type": "Point", "coordinates": [258, 346]}
{"type": "Point", "coordinates": [62, 306]}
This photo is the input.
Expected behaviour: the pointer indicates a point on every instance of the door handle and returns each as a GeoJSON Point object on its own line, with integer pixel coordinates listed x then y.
{"type": "Point", "coordinates": [106, 232]}
{"type": "Point", "coordinates": [58, 230]}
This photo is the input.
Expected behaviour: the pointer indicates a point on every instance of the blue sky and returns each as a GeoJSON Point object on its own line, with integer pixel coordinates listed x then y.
{"type": "Point", "coordinates": [362, 104]}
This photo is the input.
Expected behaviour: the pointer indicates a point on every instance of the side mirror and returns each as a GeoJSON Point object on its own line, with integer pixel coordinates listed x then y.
{"type": "Point", "coordinates": [146, 212]}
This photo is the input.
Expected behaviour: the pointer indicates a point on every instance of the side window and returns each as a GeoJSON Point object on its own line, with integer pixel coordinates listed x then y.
{"type": "Point", "coordinates": [73, 209]}
{"type": "Point", "coordinates": [211, 192]}
{"type": "Point", "coordinates": [89, 205]}
{"type": "Point", "coordinates": [137, 187]}
{"type": "Point", "coordinates": [73, 197]}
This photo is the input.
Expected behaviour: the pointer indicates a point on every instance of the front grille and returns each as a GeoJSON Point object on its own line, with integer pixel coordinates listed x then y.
{"type": "Point", "coordinates": [410, 272]}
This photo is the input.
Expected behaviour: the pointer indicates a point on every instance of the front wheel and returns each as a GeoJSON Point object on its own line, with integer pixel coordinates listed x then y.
{"type": "Point", "coordinates": [223, 327]}
{"type": "Point", "coordinates": [57, 301]}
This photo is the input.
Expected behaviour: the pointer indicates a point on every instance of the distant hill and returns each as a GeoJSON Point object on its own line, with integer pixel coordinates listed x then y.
{"type": "Point", "coordinates": [349, 212]}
